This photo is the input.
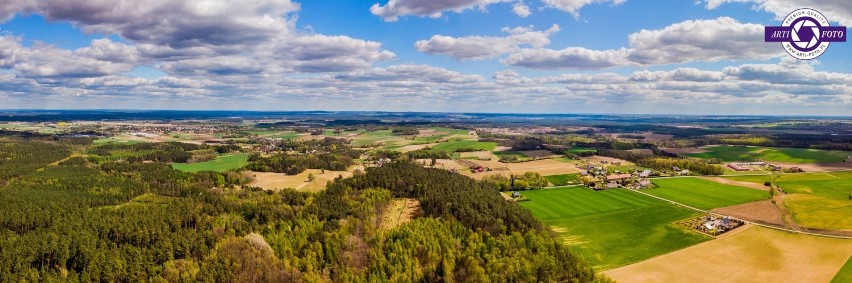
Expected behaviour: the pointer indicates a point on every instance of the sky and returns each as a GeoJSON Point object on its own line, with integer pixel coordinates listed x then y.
{"type": "Point", "coordinates": [517, 56]}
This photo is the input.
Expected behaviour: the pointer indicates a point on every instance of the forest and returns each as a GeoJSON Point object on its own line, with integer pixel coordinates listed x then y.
{"type": "Point", "coordinates": [297, 156]}
{"type": "Point", "coordinates": [95, 214]}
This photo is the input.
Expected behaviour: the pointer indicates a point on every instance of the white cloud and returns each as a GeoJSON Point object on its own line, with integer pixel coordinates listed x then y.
{"type": "Point", "coordinates": [790, 71]}
{"type": "Point", "coordinates": [431, 8]}
{"type": "Point", "coordinates": [173, 23]}
{"type": "Point", "coordinates": [835, 10]}
{"type": "Point", "coordinates": [568, 58]}
{"type": "Point", "coordinates": [45, 61]}
{"type": "Point", "coordinates": [411, 73]}
{"type": "Point", "coordinates": [679, 74]}
{"type": "Point", "coordinates": [521, 9]}
{"type": "Point", "coordinates": [701, 40]}
{"type": "Point", "coordinates": [484, 47]}
{"type": "Point", "coordinates": [689, 41]}
{"type": "Point", "coordinates": [573, 6]}
{"type": "Point", "coordinates": [225, 36]}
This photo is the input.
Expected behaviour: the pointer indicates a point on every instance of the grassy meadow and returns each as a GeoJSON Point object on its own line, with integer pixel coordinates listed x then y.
{"type": "Point", "coordinates": [221, 163]}
{"type": "Point", "coordinates": [464, 144]}
{"type": "Point", "coordinates": [817, 200]}
{"type": "Point", "coordinates": [615, 227]}
{"type": "Point", "coordinates": [845, 273]}
{"type": "Point", "coordinates": [754, 153]}
{"type": "Point", "coordinates": [704, 194]}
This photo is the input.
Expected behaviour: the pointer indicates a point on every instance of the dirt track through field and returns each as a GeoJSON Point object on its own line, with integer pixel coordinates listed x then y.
{"type": "Point", "coordinates": [736, 183]}
{"type": "Point", "coordinates": [755, 254]}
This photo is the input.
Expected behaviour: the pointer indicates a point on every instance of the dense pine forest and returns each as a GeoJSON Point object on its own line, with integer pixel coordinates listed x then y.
{"type": "Point", "coordinates": [81, 213]}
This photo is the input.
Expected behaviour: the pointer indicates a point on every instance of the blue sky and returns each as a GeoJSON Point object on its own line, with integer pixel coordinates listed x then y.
{"type": "Point", "coordinates": [555, 56]}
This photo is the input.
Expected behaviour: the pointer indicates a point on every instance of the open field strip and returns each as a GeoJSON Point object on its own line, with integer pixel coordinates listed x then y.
{"type": "Point", "coordinates": [769, 154]}
{"type": "Point", "coordinates": [816, 200]}
{"type": "Point", "coordinates": [748, 254]}
{"type": "Point", "coordinates": [612, 228]}
{"type": "Point", "coordinates": [704, 194]}
{"type": "Point", "coordinates": [746, 221]}
{"type": "Point", "coordinates": [845, 273]}
{"type": "Point", "coordinates": [221, 163]}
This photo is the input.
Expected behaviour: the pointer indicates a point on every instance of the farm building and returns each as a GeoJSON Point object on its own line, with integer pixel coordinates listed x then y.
{"type": "Point", "coordinates": [741, 166]}
{"type": "Point", "coordinates": [737, 167]}
{"type": "Point", "coordinates": [617, 177]}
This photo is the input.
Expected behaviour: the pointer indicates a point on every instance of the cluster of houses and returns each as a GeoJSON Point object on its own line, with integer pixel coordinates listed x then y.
{"type": "Point", "coordinates": [745, 166]}
{"type": "Point", "coordinates": [631, 181]}
{"type": "Point", "coordinates": [748, 166]}
{"type": "Point", "coordinates": [602, 179]}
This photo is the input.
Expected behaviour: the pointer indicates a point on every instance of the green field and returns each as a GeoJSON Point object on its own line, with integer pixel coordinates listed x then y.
{"type": "Point", "coordinates": [115, 140]}
{"type": "Point", "coordinates": [561, 180]}
{"type": "Point", "coordinates": [521, 156]}
{"type": "Point", "coordinates": [704, 194]}
{"type": "Point", "coordinates": [441, 133]}
{"type": "Point", "coordinates": [580, 149]}
{"type": "Point", "coordinates": [287, 135]}
{"type": "Point", "coordinates": [371, 138]}
{"type": "Point", "coordinates": [624, 168]}
{"type": "Point", "coordinates": [455, 145]}
{"type": "Point", "coordinates": [817, 200]}
{"type": "Point", "coordinates": [615, 227]}
{"type": "Point", "coordinates": [221, 163]}
{"type": "Point", "coordinates": [755, 153]}
{"type": "Point", "coordinates": [845, 273]}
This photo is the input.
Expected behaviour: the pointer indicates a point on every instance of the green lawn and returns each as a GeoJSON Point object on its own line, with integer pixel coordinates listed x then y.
{"type": "Point", "coordinates": [845, 273]}
{"type": "Point", "coordinates": [624, 168]}
{"type": "Point", "coordinates": [221, 163]}
{"type": "Point", "coordinates": [612, 228]}
{"type": "Point", "coordinates": [704, 194]}
{"type": "Point", "coordinates": [561, 180]}
{"type": "Point", "coordinates": [755, 153]}
{"type": "Point", "coordinates": [455, 145]}
{"type": "Point", "coordinates": [817, 200]}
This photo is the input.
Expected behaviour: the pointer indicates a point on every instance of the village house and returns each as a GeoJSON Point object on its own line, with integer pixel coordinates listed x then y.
{"type": "Point", "coordinates": [644, 183]}
{"type": "Point", "coordinates": [645, 173]}
{"type": "Point", "coordinates": [617, 177]}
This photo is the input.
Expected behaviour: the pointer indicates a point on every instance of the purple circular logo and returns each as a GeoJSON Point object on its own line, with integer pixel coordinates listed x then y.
{"type": "Point", "coordinates": [805, 34]}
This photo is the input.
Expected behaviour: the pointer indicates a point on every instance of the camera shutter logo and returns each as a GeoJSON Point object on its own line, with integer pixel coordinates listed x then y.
{"type": "Point", "coordinates": [805, 34]}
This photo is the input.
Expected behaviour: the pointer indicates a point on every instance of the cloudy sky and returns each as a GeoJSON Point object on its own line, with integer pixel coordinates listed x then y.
{"type": "Point", "coordinates": [542, 56]}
